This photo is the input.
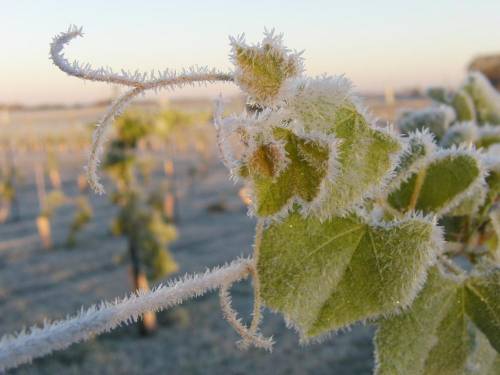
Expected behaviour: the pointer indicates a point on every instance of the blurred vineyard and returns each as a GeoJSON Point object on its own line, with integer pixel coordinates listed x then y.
{"type": "Point", "coordinates": [170, 209]}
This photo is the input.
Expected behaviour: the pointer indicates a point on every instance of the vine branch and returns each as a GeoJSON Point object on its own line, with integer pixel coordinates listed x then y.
{"type": "Point", "coordinates": [140, 82]}
{"type": "Point", "coordinates": [40, 341]}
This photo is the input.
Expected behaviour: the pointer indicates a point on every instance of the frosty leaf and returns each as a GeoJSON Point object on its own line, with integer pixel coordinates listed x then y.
{"type": "Point", "coordinates": [262, 69]}
{"type": "Point", "coordinates": [420, 145]}
{"type": "Point", "coordinates": [299, 180]}
{"type": "Point", "coordinates": [315, 102]}
{"type": "Point", "coordinates": [494, 368]}
{"type": "Point", "coordinates": [435, 336]}
{"type": "Point", "coordinates": [324, 107]}
{"type": "Point", "coordinates": [436, 119]}
{"type": "Point", "coordinates": [488, 135]}
{"type": "Point", "coordinates": [267, 161]}
{"type": "Point", "coordinates": [454, 342]}
{"type": "Point", "coordinates": [366, 156]}
{"type": "Point", "coordinates": [471, 203]}
{"type": "Point", "coordinates": [464, 106]}
{"type": "Point", "coordinates": [465, 132]}
{"type": "Point", "coordinates": [439, 94]}
{"type": "Point", "coordinates": [429, 338]}
{"type": "Point", "coordinates": [327, 275]}
{"type": "Point", "coordinates": [483, 304]}
{"type": "Point", "coordinates": [486, 99]}
{"type": "Point", "coordinates": [484, 360]}
{"type": "Point", "coordinates": [442, 184]}
{"type": "Point", "coordinates": [494, 248]}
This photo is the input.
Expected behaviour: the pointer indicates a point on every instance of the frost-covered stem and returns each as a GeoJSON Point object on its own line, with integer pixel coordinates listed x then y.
{"type": "Point", "coordinates": [248, 338]}
{"type": "Point", "coordinates": [224, 154]}
{"type": "Point", "coordinates": [146, 81]}
{"type": "Point", "coordinates": [38, 342]}
{"type": "Point", "coordinates": [257, 303]}
{"type": "Point", "coordinates": [140, 82]}
{"type": "Point", "coordinates": [99, 137]}
{"type": "Point", "coordinates": [450, 265]}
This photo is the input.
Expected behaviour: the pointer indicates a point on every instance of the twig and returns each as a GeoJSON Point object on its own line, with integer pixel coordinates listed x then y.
{"type": "Point", "coordinates": [38, 342]}
{"type": "Point", "coordinates": [247, 337]}
{"type": "Point", "coordinates": [140, 82]}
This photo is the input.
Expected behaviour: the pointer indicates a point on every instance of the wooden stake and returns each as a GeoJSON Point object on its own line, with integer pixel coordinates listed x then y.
{"type": "Point", "coordinates": [42, 222]}
{"type": "Point", "coordinates": [82, 183]}
{"type": "Point", "coordinates": [147, 325]}
{"type": "Point", "coordinates": [55, 179]}
{"type": "Point", "coordinates": [43, 225]}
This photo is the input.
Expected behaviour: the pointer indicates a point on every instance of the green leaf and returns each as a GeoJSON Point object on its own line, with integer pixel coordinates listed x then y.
{"type": "Point", "coordinates": [483, 304]}
{"type": "Point", "coordinates": [494, 245]}
{"type": "Point", "coordinates": [488, 135]}
{"type": "Point", "coordinates": [436, 119]}
{"type": "Point", "coordinates": [464, 106]}
{"type": "Point", "coordinates": [466, 132]}
{"type": "Point", "coordinates": [262, 69]}
{"type": "Point", "coordinates": [440, 185]}
{"type": "Point", "coordinates": [495, 366]}
{"type": "Point", "coordinates": [299, 180]}
{"type": "Point", "coordinates": [327, 275]}
{"type": "Point", "coordinates": [439, 94]}
{"type": "Point", "coordinates": [454, 340]}
{"type": "Point", "coordinates": [366, 156]}
{"type": "Point", "coordinates": [471, 204]}
{"type": "Point", "coordinates": [484, 360]}
{"type": "Point", "coordinates": [435, 336]}
{"type": "Point", "coordinates": [486, 98]}
{"type": "Point", "coordinates": [420, 146]}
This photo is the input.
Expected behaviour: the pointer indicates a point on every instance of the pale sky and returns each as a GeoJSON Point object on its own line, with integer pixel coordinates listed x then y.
{"type": "Point", "coordinates": [377, 44]}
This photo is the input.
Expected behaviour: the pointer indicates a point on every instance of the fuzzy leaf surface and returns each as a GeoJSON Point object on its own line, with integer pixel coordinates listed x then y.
{"type": "Point", "coordinates": [365, 158]}
{"type": "Point", "coordinates": [327, 275]}
{"type": "Point", "coordinates": [438, 184]}
{"type": "Point", "coordinates": [483, 304]}
{"type": "Point", "coordinates": [486, 99]}
{"type": "Point", "coordinates": [435, 119]}
{"type": "Point", "coordinates": [262, 69]}
{"type": "Point", "coordinates": [435, 335]}
{"type": "Point", "coordinates": [464, 106]}
{"type": "Point", "coordinates": [301, 178]}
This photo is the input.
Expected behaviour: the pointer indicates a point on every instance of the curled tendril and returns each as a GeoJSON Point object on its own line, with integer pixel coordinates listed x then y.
{"type": "Point", "coordinates": [138, 82]}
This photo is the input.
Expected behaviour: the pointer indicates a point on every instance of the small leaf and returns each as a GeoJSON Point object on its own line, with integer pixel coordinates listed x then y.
{"type": "Point", "coordinates": [436, 119]}
{"type": "Point", "coordinates": [471, 204]}
{"type": "Point", "coordinates": [327, 275]}
{"type": "Point", "coordinates": [300, 179]}
{"type": "Point", "coordinates": [486, 98]}
{"type": "Point", "coordinates": [419, 147]}
{"type": "Point", "coordinates": [432, 337]}
{"type": "Point", "coordinates": [483, 304]}
{"type": "Point", "coordinates": [441, 185]}
{"type": "Point", "coordinates": [366, 155]}
{"type": "Point", "coordinates": [488, 135]}
{"type": "Point", "coordinates": [439, 94]}
{"type": "Point", "coordinates": [484, 360]}
{"type": "Point", "coordinates": [465, 132]}
{"type": "Point", "coordinates": [464, 106]}
{"type": "Point", "coordinates": [262, 69]}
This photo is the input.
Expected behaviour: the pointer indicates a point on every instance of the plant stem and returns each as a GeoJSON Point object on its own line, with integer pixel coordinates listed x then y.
{"type": "Point", "coordinates": [38, 342]}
